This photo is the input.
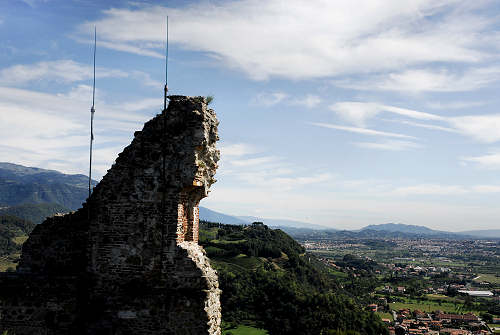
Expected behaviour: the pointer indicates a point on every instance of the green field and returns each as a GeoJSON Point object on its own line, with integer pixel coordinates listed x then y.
{"type": "Point", "coordinates": [489, 277]}
{"type": "Point", "coordinates": [245, 330]}
{"type": "Point", "coordinates": [430, 306]}
{"type": "Point", "coordinates": [385, 315]}
{"type": "Point", "coordinates": [7, 262]}
{"type": "Point", "coordinates": [444, 298]}
{"type": "Point", "coordinates": [20, 239]}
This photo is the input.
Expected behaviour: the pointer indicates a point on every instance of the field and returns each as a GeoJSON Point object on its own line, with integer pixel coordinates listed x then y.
{"type": "Point", "coordinates": [7, 262]}
{"type": "Point", "coordinates": [245, 330]}
{"type": "Point", "coordinates": [488, 277]}
{"type": "Point", "coordinates": [430, 306]}
{"type": "Point", "coordinates": [385, 315]}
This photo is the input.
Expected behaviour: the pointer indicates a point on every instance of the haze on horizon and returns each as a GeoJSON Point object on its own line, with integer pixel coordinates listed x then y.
{"type": "Point", "coordinates": [342, 114]}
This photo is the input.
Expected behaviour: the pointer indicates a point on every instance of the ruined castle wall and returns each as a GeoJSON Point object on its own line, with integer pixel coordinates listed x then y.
{"type": "Point", "coordinates": [129, 257]}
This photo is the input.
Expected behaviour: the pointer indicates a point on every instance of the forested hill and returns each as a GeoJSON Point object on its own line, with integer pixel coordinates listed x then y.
{"type": "Point", "coordinates": [267, 279]}
{"type": "Point", "coordinates": [20, 185]}
{"type": "Point", "coordinates": [35, 213]}
{"type": "Point", "coordinates": [13, 232]}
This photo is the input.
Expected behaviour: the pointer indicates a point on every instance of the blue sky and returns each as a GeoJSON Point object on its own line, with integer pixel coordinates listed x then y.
{"type": "Point", "coordinates": [339, 113]}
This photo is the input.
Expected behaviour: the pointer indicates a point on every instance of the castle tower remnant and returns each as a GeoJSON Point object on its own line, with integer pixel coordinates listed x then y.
{"type": "Point", "coordinates": [135, 266]}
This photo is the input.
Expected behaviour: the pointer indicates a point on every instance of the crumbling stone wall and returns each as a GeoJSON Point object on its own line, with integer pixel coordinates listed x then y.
{"type": "Point", "coordinates": [128, 262]}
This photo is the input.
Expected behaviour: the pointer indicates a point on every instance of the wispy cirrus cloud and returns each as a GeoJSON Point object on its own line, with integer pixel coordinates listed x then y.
{"type": "Point", "coordinates": [66, 71]}
{"type": "Point", "coordinates": [363, 131]}
{"type": "Point", "coordinates": [481, 127]}
{"type": "Point", "coordinates": [488, 161]}
{"type": "Point", "coordinates": [345, 36]}
{"type": "Point", "coordinates": [389, 145]}
{"type": "Point", "coordinates": [455, 104]}
{"type": "Point", "coordinates": [358, 113]}
{"type": "Point", "coordinates": [238, 150]}
{"type": "Point", "coordinates": [427, 80]}
{"type": "Point", "coordinates": [269, 99]}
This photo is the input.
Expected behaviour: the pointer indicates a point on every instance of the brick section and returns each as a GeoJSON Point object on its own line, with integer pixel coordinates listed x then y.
{"type": "Point", "coordinates": [128, 262]}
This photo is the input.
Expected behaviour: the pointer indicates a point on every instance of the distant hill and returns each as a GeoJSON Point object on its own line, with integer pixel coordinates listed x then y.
{"type": "Point", "coordinates": [30, 185]}
{"type": "Point", "coordinates": [403, 228]}
{"type": "Point", "coordinates": [490, 233]}
{"type": "Point", "coordinates": [35, 213]}
{"type": "Point", "coordinates": [282, 223]}
{"type": "Point", "coordinates": [213, 216]}
{"type": "Point", "coordinates": [424, 231]}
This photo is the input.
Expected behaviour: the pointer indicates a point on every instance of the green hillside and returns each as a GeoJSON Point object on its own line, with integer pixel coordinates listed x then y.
{"type": "Point", "coordinates": [268, 281]}
{"type": "Point", "coordinates": [13, 233]}
{"type": "Point", "coordinates": [35, 213]}
{"type": "Point", "coordinates": [22, 185]}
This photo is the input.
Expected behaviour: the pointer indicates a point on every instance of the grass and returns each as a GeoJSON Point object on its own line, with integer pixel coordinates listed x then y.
{"type": "Point", "coordinates": [228, 241]}
{"type": "Point", "coordinates": [384, 315]}
{"type": "Point", "coordinates": [430, 306]}
{"type": "Point", "coordinates": [489, 277]}
{"type": "Point", "coordinates": [338, 274]}
{"type": "Point", "coordinates": [240, 263]}
{"type": "Point", "coordinates": [245, 261]}
{"type": "Point", "coordinates": [20, 239]}
{"type": "Point", "coordinates": [444, 298]}
{"type": "Point", "coordinates": [7, 262]}
{"type": "Point", "coordinates": [245, 330]}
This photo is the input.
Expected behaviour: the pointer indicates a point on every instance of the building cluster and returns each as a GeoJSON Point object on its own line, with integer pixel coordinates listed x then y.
{"type": "Point", "coordinates": [438, 322]}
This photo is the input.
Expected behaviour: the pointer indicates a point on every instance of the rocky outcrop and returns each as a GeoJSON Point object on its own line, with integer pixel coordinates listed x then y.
{"type": "Point", "coordinates": [128, 262]}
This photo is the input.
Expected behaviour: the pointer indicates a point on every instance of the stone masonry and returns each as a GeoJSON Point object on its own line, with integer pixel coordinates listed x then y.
{"type": "Point", "coordinates": [128, 261]}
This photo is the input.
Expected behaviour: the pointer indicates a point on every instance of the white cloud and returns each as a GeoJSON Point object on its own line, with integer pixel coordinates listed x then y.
{"type": "Point", "coordinates": [345, 37]}
{"type": "Point", "coordinates": [440, 190]}
{"type": "Point", "coordinates": [483, 128]}
{"type": "Point", "coordinates": [64, 71]}
{"type": "Point", "coordinates": [488, 161]}
{"type": "Point", "coordinates": [145, 79]}
{"type": "Point", "coordinates": [389, 145]}
{"type": "Point", "coordinates": [486, 189]}
{"type": "Point", "coordinates": [309, 101]}
{"type": "Point", "coordinates": [51, 130]}
{"type": "Point", "coordinates": [144, 104]}
{"type": "Point", "coordinates": [455, 104]}
{"type": "Point", "coordinates": [430, 189]}
{"type": "Point", "coordinates": [254, 161]}
{"type": "Point", "coordinates": [269, 99]}
{"type": "Point", "coordinates": [358, 113]}
{"type": "Point", "coordinates": [426, 126]}
{"type": "Point", "coordinates": [237, 150]}
{"type": "Point", "coordinates": [363, 131]}
{"type": "Point", "coordinates": [427, 80]}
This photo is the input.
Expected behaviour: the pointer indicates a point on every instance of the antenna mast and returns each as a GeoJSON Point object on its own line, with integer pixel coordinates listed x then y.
{"type": "Point", "coordinates": [166, 74]}
{"type": "Point", "coordinates": [92, 111]}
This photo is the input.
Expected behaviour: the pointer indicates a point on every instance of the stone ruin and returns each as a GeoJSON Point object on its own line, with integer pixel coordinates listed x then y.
{"type": "Point", "coordinates": [128, 262]}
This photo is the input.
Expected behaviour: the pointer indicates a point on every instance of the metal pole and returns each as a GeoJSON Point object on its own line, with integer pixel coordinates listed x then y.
{"type": "Point", "coordinates": [166, 73]}
{"type": "Point", "coordinates": [92, 111]}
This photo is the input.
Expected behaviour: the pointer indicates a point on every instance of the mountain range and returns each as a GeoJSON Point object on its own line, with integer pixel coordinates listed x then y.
{"type": "Point", "coordinates": [31, 185]}
{"type": "Point", "coordinates": [33, 193]}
